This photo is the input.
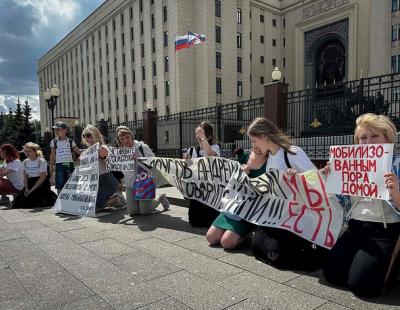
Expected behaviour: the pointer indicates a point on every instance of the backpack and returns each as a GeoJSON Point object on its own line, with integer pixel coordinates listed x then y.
{"type": "Point", "coordinates": [285, 250]}
{"type": "Point", "coordinates": [200, 215]}
{"type": "Point", "coordinates": [74, 155]}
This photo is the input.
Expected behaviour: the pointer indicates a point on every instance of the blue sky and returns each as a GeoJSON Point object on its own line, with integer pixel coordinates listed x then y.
{"type": "Point", "coordinates": [29, 28]}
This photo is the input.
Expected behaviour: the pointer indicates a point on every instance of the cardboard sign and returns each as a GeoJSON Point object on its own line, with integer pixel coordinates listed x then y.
{"type": "Point", "coordinates": [358, 170]}
{"type": "Point", "coordinates": [120, 159]}
{"type": "Point", "coordinates": [78, 196]}
{"type": "Point", "coordinates": [295, 203]}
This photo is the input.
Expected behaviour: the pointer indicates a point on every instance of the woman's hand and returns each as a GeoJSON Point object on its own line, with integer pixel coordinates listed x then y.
{"type": "Point", "coordinates": [326, 170]}
{"type": "Point", "coordinates": [392, 183]}
{"type": "Point", "coordinates": [27, 192]}
{"type": "Point", "coordinates": [200, 134]}
{"type": "Point", "coordinates": [291, 171]}
{"type": "Point", "coordinates": [186, 156]}
{"type": "Point", "coordinates": [245, 168]}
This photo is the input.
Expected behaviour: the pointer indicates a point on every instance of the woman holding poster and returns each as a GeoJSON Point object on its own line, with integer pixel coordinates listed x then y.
{"type": "Point", "coordinates": [108, 184]}
{"type": "Point", "coordinates": [361, 257]}
{"type": "Point", "coordinates": [125, 138]}
{"type": "Point", "coordinates": [267, 141]}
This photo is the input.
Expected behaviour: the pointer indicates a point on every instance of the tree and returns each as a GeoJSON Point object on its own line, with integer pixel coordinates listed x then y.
{"type": "Point", "coordinates": [18, 125]}
{"type": "Point", "coordinates": [9, 129]}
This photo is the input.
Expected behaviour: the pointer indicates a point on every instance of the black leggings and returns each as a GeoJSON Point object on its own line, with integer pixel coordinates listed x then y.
{"type": "Point", "coordinates": [360, 258]}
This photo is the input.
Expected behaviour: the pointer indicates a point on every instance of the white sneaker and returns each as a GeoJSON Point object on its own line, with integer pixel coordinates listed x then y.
{"type": "Point", "coordinates": [164, 202]}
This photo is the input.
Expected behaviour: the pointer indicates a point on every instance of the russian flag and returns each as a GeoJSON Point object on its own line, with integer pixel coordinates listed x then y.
{"type": "Point", "coordinates": [188, 40]}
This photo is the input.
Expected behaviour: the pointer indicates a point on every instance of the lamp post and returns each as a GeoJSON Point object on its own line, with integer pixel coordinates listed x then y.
{"type": "Point", "coordinates": [51, 96]}
{"type": "Point", "coordinates": [276, 75]}
{"type": "Point", "coordinates": [102, 125]}
{"type": "Point", "coordinates": [77, 133]}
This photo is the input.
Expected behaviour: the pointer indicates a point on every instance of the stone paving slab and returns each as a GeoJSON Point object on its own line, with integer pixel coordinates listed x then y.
{"type": "Point", "coordinates": [90, 303]}
{"type": "Point", "coordinates": [195, 292]}
{"type": "Point", "coordinates": [108, 248]}
{"type": "Point", "coordinates": [200, 245]}
{"type": "Point", "coordinates": [13, 249]}
{"type": "Point", "coordinates": [83, 235]}
{"type": "Point", "coordinates": [11, 287]}
{"type": "Point", "coordinates": [247, 305]}
{"type": "Point", "coordinates": [166, 304]}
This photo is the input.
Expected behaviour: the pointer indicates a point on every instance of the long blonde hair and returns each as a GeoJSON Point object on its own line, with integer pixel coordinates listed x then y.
{"type": "Point", "coordinates": [380, 123]}
{"type": "Point", "coordinates": [263, 127]}
{"type": "Point", "coordinates": [34, 147]}
{"type": "Point", "coordinates": [97, 136]}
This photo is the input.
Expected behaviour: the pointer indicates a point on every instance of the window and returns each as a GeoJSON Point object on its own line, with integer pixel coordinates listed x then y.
{"type": "Point", "coordinates": [261, 18]}
{"type": "Point", "coordinates": [273, 42]}
{"type": "Point", "coordinates": [154, 92]}
{"type": "Point", "coordinates": [239, 16]}
{"type": "Point", "coordinates": [153, 45]}
{"type": "Point", "coordinates": [153, 21]}
{"type": "Point", "coordinates": [239, 89]}
{"type": "Point", "coordinates": [124, 80]}
{"type": "Point", "coordinates": [133, 77]}
{"type": "Point", "coordinates": [218, 85]}
{"type": "Point", "coordinates": [122, 19]}
{"type": "Point", "coordinates": [165, 15]}
{"type": "Point", "coordinates": [166, 64]}
{"type": "Point", "coordinates": [262, 59]}
{"type": "Point", "coordinates": [115, 44]}
{"type": "Point", "coordinates": [141, 5]}
{"type": "Point", "coordinates": [142, 49]}
{"type": "Point", "coordinates": [239, 64]}
{"type": "Point", "coordinates": [107, 51]}
{"type": "Point", "coordinates": [394, 61]}
{"type": "Point", "coordinates": [395, 5]}
{"type": "Point", "coordinates": [166, 88]}
{"type": "Point", "coordinates": [284, 23]}
{"type": "Point", "coordinates": [165, 38]}
{"type": "Point", "coordinates": [218, 62]}
{"type": "Point", "coordinates": [144, 94]}
{"type": "Point", "coordinates": [261, 79]}
{"type": "Point", "coordinates": [167, 110]}
{"type": "Point", "coordinates": [123, 39]}
{"type": "Point", "coordinates": [141, 28]}
{"type": "Point", "coordinates": [106, 34]}
{"type": "Point", "coordinates": [152, 2]}
{"type": "Point", "coordinates": [274, 62]}
{"type": "Point", "coordinates": [262, 39]}
{"type": "Point", "coordinates": [143, 73]}
{"type": "Point", "coordinates": [123, 60]}
{"type": "Point", "coordinates": [116, 83]}
{"type": "Point", "coordinates": [134, 97]}
{"type": "Point", "coordinates": [239, 40]}
{"type": "Point", "coordinates": [218, 34]}
{"type": "Point", "coordinates": [133, 54]}
{"type": "Point", "coordinates": [273, 22]}
{"type": "Point", "coordinates": [131, 33]}
{"type": "Point", "coordinates": [113, 24]}
{"type": "Point", "coordinates": [130, 12]}
{"type": "Point", "coordinates": [394, 32]}
{"type": "Point", "coordinates": [125, 101]}
{"type": "Point", "coordinates": [218, 8]}
{"type": "Point", "coordinates": [284, 42]}
{"type": "Point", "coordinates": [154, 68]}
{"type": "Point", "coordinates": [284, 62]}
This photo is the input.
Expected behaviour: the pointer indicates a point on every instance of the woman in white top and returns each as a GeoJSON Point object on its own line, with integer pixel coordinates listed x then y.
{"type": "Point", "coordinates": [125, 138]}
{"type": "Point", "coordinates": [361, 257]}
{"type": "Point", "coordinates": [12, 173]}
{"type": "Point", "coordinates": [108, 184]}
{"type": "Point", "coordinates": [199, 214]}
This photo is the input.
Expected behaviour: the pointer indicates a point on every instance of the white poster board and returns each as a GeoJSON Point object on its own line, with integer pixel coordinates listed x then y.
{"type": "Point", "coordinates": [78, 196]}
{"type": "Point", "coordinates": [121, 159]}
{"type": "Point", "coordinates": [357, 170]}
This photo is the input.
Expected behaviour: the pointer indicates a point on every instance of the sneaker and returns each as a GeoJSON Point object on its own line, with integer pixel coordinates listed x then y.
{"type": "Point", "coordinates": [4, 200]}
{"type": "Point", "coordinates": [164, 202]}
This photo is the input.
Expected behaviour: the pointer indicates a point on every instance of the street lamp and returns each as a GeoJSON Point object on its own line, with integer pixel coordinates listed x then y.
{"type": "Point", "coordinates": [276, 75]}
{"type": "Point", "coordinates": [149, 106]}
{"type": "Point", "coordinates": [76, 123]}
{"type": "Point", "coordinates": [101, 116]}
{"type": "Point", "coordinates": [102, 125]}
{"type": "Point", "coordinates": [51, 96]}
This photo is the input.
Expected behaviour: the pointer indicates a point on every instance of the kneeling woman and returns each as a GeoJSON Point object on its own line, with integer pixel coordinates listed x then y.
{"type": "Point", "coordinates": [360, 258]}
{"type": "Point", "coordinates": [108, 184]}
{"type": "Point", "coordinates": [267, 141]}
{"type": "Point", "coordinates": [37, 183]}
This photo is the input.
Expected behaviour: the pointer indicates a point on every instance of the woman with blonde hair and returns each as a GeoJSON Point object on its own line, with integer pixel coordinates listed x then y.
{"type": "Point", "coordinates": [36, 180]}
{"type": "Point", "coordinates": [125, 138]}
{"type": "Point", "coordinates": [107, 191]}
{"type": "Point", "coordinates": [361, 256]}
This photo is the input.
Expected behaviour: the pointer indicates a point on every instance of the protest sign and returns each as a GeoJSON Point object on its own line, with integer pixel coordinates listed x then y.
{"type": "Point", "coordinates": [120, 159]}
{"type": "Point", "coordinates": [295, 203]}
{"type": "Point", "coordinates": [358, 170]}
{"type": "Point", "coordinates": [78, 196]}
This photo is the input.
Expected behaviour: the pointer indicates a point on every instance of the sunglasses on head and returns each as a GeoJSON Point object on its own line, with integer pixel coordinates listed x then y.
{"type": "Point", "coordinates": [87, 135]}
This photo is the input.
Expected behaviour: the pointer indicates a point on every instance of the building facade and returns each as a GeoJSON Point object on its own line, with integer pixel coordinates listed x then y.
{"type": "Point", "coordinates": [121, 59]}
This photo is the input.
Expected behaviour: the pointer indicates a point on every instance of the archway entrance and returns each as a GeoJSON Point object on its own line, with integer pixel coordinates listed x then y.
{"type": "Point", "coordinates": [330, 63]}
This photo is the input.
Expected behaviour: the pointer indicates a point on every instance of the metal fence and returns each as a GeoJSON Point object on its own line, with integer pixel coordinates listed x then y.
{"type": "Point", "coordinates": [176, 131]}
{"type": "Point", "coordinates": [325, 115]}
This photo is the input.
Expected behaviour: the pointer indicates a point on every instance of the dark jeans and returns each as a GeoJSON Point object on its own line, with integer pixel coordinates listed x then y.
{"type": "Point", "coordinates": [360, 258]}
{"type": "Point", "coordinates": [63, 172]}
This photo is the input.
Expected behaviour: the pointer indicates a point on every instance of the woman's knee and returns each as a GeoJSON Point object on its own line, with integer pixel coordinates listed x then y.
{"type": "Point", "coordinates": [214, 235]}
{"type": "Point", "coordinates": [230, 240]}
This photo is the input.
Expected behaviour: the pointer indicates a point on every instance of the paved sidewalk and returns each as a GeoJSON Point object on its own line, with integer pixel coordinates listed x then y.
{"type": "Point", "coordinates": [151, 262]}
